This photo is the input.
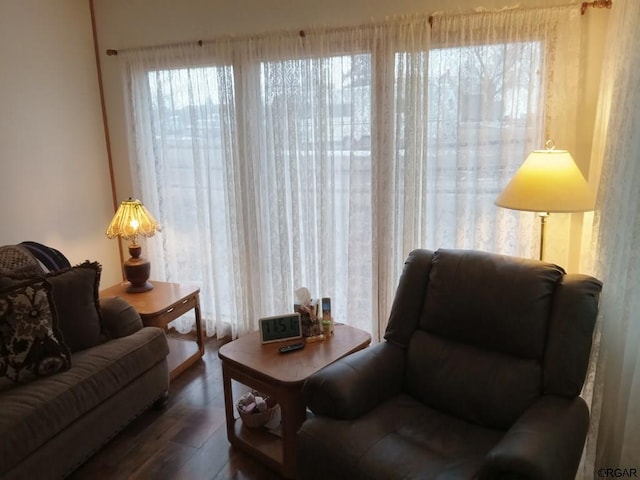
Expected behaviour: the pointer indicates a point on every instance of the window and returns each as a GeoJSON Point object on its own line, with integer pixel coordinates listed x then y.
{"type": "Point", "coordinates": [321, 162]}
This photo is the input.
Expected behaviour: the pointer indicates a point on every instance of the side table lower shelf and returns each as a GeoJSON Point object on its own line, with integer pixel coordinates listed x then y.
{"type": "Point", "coordinates": [182, 354]}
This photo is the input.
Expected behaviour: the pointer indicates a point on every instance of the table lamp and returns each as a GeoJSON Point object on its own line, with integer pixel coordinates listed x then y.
{"type": "Point", "coordinates": [549, 181]}
{"type": "Point", "coordinates": [132, 219]}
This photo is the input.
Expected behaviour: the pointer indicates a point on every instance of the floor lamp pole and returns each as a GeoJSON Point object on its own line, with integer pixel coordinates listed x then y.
{"type": "Point", "coordinates": [543, 223]}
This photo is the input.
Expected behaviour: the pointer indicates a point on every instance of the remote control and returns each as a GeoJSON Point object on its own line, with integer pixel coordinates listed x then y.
{"type": "Point", "coordinates": [291, 348]}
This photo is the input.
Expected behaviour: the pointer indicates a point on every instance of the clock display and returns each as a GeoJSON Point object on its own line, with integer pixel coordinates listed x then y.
{"type": "Point", "coordinates": [280, 327]}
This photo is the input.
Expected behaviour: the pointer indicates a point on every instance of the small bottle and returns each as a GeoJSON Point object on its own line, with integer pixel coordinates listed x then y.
{"type": "Point", "coordinates": [326, 311]}
{"type": "Point", "coordinates": [326, 328]}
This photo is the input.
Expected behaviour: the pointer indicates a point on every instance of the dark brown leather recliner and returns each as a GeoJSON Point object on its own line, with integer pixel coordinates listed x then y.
{"type": "Point", "coordinates": [478, 377]}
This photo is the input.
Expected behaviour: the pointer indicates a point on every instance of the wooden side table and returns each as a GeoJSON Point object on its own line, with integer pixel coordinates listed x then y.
{"type": "Point", "coordinates": [280, 376]}
{"type": "Point", "coordinates": [161, 305]}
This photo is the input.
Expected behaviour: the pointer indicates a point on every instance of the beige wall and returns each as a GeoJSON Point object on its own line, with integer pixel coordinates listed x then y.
{"type": "Point", "coordinates": [132, 23]}
{"type": "Point", "coordinates": [54, 177]}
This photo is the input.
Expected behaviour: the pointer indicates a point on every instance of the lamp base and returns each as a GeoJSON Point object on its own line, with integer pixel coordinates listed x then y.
{"type": "Point", "coordinates": [139, 288]}
{"type": "Point", "coordinates": [543, 223]}
{"type": "Point", "coordinates": [137, 271]}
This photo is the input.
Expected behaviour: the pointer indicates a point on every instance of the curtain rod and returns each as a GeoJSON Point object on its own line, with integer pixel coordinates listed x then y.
{"type": "Point", "coordinates": [113, 51]}
{"type": "Point", "coordinates": [595, 4]}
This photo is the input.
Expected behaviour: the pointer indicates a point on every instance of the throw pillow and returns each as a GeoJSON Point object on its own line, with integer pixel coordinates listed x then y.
{"type": "Point", "coordinates": [29, 347]}
{"type": "Point", "coordinates": [75, 294]}
{"type": "Point", "coordinates": [17, 262]}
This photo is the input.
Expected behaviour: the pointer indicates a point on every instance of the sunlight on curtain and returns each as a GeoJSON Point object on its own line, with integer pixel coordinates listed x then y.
{"type": "Point", "coordinates": [280, 161]}
{"type": "Point", "coordinates": [316, 178]}
{"type": "Point", "coordinates": [501, 84]}
{"type": "Point", "coordinates": [264, 172]}
{"type": "Point", "coordinates": [614, 434]}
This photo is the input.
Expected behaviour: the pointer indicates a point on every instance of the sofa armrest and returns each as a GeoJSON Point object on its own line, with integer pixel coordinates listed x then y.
{"type": "Point", "coordinates": [546, 442]}
{"type": "Point", "coordinates": [355, 384]}
{"type": "Point", "coordinates": [118, 317]}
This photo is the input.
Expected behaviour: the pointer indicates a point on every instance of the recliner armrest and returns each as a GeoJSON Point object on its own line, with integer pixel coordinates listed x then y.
{"type": "Point", "coordinates": [544, 443]}
{"type": "Point", "coordinates": [355, 384]}
{"type": "Point", "coordinates": [118, 317]}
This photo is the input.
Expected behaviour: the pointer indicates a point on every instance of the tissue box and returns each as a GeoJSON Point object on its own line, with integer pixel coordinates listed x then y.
{"type": "Point", "coordinates": [311, 325]}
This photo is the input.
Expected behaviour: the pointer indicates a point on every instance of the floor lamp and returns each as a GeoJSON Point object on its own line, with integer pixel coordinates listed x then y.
{"type": "Point", "coordinates": [549, 181]}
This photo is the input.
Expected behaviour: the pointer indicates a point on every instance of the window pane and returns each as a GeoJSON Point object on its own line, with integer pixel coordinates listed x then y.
{"type": "Point", "coordinates": [192, 120]}
{"type": "Point", "coordinates": [316, 166]}
{"type": "Point", "coordinates": [485, 115]}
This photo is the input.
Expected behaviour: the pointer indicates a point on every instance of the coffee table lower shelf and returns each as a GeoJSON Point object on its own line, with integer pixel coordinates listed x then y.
{"type": "Point", "coordinates": [259, 442]}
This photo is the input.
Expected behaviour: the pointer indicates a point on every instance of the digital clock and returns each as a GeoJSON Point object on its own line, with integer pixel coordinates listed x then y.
{"type": "Point", "coordinates": [280, 327]}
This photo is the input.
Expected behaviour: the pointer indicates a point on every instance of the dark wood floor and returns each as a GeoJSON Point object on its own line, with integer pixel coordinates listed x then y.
{"type": "Point", "coordinates": [185, 441]}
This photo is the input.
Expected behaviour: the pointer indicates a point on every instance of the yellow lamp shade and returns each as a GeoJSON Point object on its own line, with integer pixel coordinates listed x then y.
{"type": "Point", "coordinates": [548, 181]}
{"type": "Point", "coordinates": [132, 219]}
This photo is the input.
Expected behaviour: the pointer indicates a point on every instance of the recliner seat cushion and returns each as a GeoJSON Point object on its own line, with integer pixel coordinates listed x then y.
{"type": "Point", "coordinates": [35, 412]}
{"type": "Point", "coordinates": [401, 438]}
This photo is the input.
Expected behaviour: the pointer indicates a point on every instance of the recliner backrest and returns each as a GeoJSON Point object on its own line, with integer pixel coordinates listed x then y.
{"type": "Point", "coordinates": [490, 301]}
{"type": "Point", "coordinates": [479, 331]}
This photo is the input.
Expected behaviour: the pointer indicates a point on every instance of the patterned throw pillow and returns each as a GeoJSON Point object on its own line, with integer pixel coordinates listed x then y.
{"type": "Point", "coordinates": [28, 345]}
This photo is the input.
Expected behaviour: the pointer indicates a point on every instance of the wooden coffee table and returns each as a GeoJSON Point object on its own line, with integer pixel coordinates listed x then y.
{"type": "Point", "coordinates": [280, 376]}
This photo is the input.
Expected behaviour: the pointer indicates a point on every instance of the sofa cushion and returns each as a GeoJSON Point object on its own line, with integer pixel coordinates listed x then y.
{"type": "Point", "coordinates": [29, 345]}
{"type": "Point", "coordinates": [401, 438]}
{"type": "Point", "coordinates": [75, 295]}
{"type": "Point", "coordinates": [118, 318]}
{"type": "Point", "coordinates": [34, 413]}
{"type": "Point", "coordinates": [17, 261]}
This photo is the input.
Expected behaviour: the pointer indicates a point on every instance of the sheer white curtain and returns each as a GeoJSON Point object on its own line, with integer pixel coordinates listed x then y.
{"type": "Point", "coordinates": [614, 437]}
{"type": "Point", "coordinates": [273, 163]}
{"type": "Point", "coordinates": [185, 161]}
{"type": "Point", "coordinates": [321, 159]}
{"type": "Point", "coordinates": [501, 84]}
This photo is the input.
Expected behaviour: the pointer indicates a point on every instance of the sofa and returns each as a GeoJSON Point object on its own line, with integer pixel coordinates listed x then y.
{"type": "Point", "coordinates": [478, 377]}
{"type": "Point", "coordinates": [74, 368]}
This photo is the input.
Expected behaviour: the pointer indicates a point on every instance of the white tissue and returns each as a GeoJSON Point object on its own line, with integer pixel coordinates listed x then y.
{"type": "Point", "coordinates": [261, 404]}
{"type": "Point", "coordinates": [303, 295]}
